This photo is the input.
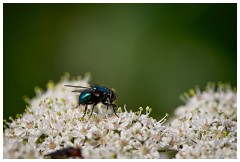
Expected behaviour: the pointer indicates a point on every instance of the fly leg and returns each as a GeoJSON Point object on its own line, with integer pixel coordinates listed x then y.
{"type": "Point", "coordinates": [92, 111]}
{"type": "Point", "coordinates": [77, 106]}
{"type": "Point", "coordinates": [113, 106]}
{"type": "Point", "coordinates": [85, 110]}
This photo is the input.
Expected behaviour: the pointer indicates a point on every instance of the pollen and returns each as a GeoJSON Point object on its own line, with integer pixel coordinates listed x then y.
{"type": "Point", "coordinates": [29, 125]}
{"type": "Point", "coordinates": [122, 142]}
{"type": "Point", "coordinates": [205, 126]}
{"type": "Point", "coordinates": [144, 150]}
{"type": "Point", "coordinates": [52, 145]}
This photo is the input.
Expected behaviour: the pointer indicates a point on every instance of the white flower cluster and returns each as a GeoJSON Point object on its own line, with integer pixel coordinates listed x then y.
{"type": "Point", "coordinates": [18, 150]}
{"type": "Point", "coordinates": [206, 126]}
{"type": "Point", "coordinates": [52, 122]}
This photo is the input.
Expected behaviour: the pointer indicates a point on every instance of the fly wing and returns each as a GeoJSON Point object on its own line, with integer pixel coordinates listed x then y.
{"type": "Point", "coordinates": [78, 90]}
{"type": "Point", "coordinates": [76, 86]}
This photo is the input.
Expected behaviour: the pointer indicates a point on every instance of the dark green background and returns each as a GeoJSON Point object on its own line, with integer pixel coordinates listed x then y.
{"type": "Point", "coordinates": [150, 53]}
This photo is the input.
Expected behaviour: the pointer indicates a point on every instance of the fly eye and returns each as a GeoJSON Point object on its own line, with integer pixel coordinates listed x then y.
{"type": "Point", "coordinates": [112, 96]}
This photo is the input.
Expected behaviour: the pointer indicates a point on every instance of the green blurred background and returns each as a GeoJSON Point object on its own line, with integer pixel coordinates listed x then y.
{"type": "Point", "coordinates": [149, 53]}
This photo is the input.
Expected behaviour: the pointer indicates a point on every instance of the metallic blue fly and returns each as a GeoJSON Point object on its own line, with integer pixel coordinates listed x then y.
{"type": "Point", "coordinates": [93, 95]}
